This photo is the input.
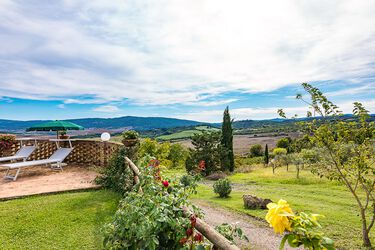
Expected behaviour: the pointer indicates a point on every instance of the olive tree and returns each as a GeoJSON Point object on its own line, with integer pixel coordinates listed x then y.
{"type": "Point", "coordinates": [347, 151]}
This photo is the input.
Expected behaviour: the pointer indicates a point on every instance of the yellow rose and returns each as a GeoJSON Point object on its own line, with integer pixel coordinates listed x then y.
{"type": "Point", "coordinates": [278, 216]}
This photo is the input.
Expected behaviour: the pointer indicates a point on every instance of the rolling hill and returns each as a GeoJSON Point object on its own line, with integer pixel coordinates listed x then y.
{"type": "Point", "coordinates": [130, 122]}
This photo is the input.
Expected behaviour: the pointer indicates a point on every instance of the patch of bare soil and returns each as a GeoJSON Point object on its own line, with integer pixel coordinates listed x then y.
{"type": "Point", "coordinates": [38, 180]}
{"type": "Point", "coordinates": [261, 237]}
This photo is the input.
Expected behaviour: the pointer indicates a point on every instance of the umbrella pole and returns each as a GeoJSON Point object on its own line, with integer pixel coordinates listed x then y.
{"type": "Point", "coordinates": [57, 134]}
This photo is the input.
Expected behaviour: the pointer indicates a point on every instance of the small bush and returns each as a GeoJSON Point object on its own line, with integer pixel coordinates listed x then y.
{"type": "Point", "coordinates": [223, 188]}
{"type": "Point", "coordinates": [117, 176]}
{"type": "Point", "coordinates": [130, 134]}
{"type": "Point", "coordinates": [256, 150]}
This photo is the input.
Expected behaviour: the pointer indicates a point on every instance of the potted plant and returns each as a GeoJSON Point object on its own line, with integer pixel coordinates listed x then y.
{"type": "Point", "coordinates": [63, 135]}
{"type": "Point", "coordinates": [130, 138]}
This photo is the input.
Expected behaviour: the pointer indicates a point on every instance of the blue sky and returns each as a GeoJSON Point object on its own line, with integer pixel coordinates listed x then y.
{"type": "Point", "coordinates": [184, 59]}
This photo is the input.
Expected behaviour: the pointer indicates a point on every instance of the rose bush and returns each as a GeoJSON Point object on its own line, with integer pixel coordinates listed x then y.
{"type": "Point", "coordinates": [154, 219]}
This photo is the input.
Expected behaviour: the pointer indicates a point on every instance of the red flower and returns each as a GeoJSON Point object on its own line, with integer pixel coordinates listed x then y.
{"type": "Point", "coordinates": [189, 232]}
{"type": "Point", "coordinates": [183, 241]}
{"type": "Point", "coordinates": [202, 165]}
{"type": "Point", "coordinates": [198, 237]}
{"type": "Point", "coordinates": [165, 183]}
{"type": "Point", "coordinates": [193, 220]}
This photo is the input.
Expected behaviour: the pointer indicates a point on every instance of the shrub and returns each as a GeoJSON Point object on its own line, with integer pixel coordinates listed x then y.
{"type": "Point", "coordinates": [222, 187]}
{"type": "Point", "coordinates": [130, 134]}
{"type": "Point", "coordinates": [154, 219]}
{"type": "Point", "coordinates": [177, 155]}
{"type": "Point", "coordinates": [279, 151]}
{"type": "Point", "coordinates": [117, 175]}
{"type": "Point", "coordinates": [256, 150]}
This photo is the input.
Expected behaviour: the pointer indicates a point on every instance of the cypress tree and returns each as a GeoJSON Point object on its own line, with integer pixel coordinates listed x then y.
{"type": "Point", "coordinates": [266, 156]}
{"type": "Point", "coordinates": [227, 161]}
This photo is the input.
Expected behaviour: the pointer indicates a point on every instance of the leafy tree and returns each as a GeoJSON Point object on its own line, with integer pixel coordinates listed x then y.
{"type": "Point", "coordinates": [148, 147]}
{"type": "Point", "coordinates": [207, 148]}
{"type": "Point", "coordinates": [346, 152]}
{"type": "Point", "coordinates": [227, 161]}
{"type": "Point", "coordinates": [284, 143]}
{"type": "Point", "coordinates": [177, 154]}
{"type": "Point", "coordinates": [277, 161]}
{"type": "Point", "coordinates": [256, 150]}
{"type": "Point", "coordinates": [266, 155]}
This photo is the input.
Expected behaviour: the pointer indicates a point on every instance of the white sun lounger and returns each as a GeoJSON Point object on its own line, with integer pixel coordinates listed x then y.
{"type": "Point", "coordinates": [22, 154]}
{"type": "Point", "coordinates": [55, 160]}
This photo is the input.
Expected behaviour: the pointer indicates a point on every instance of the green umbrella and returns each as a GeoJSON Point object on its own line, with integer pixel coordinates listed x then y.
{"type": "Point", "coordinates": [55, 126]}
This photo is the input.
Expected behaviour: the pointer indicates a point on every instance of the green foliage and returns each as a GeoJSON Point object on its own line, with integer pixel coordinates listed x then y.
{"type": "Point", "coordinates": [153, 219]}
{"type": "Point", "coordinates": [231, 232]}
{"type": "Point", "coordinates": [170, 155]}
{"type": "Point", "coordinates": [227, 159]}
{"type": "Point", "coordinates": [207, 148]}
{"type": "Point", "coordinates": [279, 151]}
{"type": "Point", "coordinates": [306, 232]}
{"type": "Point", "coordinates": [284, 143]}
{"type": "Point", "coordinates": [346, 152]}
{"type": "Point", "coordinates": [189, 181]}
{"type": "Point", "coordinates": [256, 150]}
{"type": "Point", "coordinates": [222, 187]}
{"type": "Point", "coordinates": [177, 155]}
{"type": "Point", "coordinates": [266, 155]}
{"type": "Point", "coordinates": [130, 134]}
{"type": "Point", "coordinates": [117, 175]}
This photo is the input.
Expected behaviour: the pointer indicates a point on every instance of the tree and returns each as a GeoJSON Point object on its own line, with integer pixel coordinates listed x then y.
{"type": "Point", "coordinates": [346, 152]}
{"type": "Point", "coordinates": [256, 150]}
{"type": "Point", "coordinates": [207, 148]}
{"type": "Point", "coordinates": [284, 143]}
{"type": "Point", "coordinates": [266, 156]}
{"type": "Point", "coordinates": [277, 161]}
{"type": "Point", "coordinates": [177, 154]}
{"type": "Point", "coordinates": [227, 161]}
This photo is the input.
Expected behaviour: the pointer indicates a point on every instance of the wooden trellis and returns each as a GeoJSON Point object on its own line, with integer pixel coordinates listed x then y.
{"type": "Point", "coordinates": [86, 152]}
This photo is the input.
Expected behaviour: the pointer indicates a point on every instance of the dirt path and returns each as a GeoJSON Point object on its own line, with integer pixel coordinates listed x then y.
{"type": "Point", "coordinates": [261, 237]}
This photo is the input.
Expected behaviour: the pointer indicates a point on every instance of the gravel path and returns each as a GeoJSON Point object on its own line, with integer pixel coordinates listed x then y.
{"type": "Point", "coordinates": [261, 237]}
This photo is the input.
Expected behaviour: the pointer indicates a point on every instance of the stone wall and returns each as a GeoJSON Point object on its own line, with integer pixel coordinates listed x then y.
{"type": "Point", "coordinates": [85, 152]}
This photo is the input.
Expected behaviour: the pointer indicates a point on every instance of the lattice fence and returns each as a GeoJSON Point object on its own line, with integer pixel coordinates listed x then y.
{"type": "Point", "coordinates": [85, 152]}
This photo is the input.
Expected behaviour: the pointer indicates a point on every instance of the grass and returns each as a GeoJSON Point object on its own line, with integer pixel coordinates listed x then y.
{"type": "Point", "coordinates": [186, 133]}
{"type": "Point", "coordinates": [309, 193]}
{"type": "Point", "coordinates": [61, 221]}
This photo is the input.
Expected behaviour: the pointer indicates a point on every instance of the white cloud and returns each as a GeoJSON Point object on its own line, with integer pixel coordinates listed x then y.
{"type": "Point", "coordinates": [107, 109]}
{"type": "Point", "coordinates": [168, 52]}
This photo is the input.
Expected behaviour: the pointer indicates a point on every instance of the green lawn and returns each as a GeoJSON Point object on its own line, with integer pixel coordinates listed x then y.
{"type": "Point", "coordinates": [61, 221]}
{"type": "Point", "coordinates": [309, 193]}
{"type": "Point", "coordinates": [186, 133]}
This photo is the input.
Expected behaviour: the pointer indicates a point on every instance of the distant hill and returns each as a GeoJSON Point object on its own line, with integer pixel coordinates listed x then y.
{"type": "Point", "coordinates": [131, 122]}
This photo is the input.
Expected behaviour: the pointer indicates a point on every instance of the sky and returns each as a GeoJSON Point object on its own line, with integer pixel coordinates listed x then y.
{"type": "Point", "coordinates": [182, 59]}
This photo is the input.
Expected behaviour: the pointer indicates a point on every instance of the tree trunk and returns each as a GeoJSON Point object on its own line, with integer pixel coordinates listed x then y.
{"type": "Point", "coordinates": [273, 169]}
{"type": "Point", "coordinates": [365, 236]}
{"type": "Point", "coordinates": [287, 167]}
{"type": "Point", "coordinates": [297, 171]}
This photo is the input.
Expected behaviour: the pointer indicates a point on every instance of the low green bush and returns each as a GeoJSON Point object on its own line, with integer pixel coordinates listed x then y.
{"type": "Point", "coordinates": [222, 187]}
{"type": "Point", "coordinates": [154, 219]}
{"type": "Point", "coordinates": [117, 176]}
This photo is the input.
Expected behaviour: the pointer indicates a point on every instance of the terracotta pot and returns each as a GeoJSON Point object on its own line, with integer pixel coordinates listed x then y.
{"type": "Point", "coordinates": [129, 142]}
